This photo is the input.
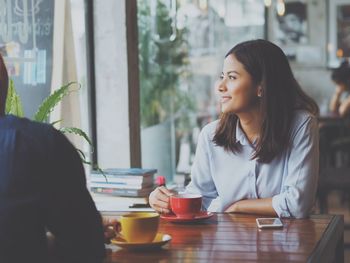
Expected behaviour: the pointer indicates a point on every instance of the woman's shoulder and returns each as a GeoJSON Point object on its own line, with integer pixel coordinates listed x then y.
{"type": "Point", "coordinates": [301, 119]}
{"type": "Point", "coordinates": [209, 128]}
{"type": "Point", "coordinates": [208, 131]}
{"type": "Point", "coordinates": [302, 116]}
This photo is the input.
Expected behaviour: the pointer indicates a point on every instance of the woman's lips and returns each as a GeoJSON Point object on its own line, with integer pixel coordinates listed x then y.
{"type": "Point", "coordinates": [225, 99]}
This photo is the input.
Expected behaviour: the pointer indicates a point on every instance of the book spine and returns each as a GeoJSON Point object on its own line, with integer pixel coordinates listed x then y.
{"type": "Point", "coordinates": [118, 185]}
{"type": "Point", "coordinates": [135, 181]}
{"type": "Point", "coordinates": [121, 176]}
{"type": "Point", "coordinates": [131, 171]}
{"type": "Point", "coordinates": [120, 192]}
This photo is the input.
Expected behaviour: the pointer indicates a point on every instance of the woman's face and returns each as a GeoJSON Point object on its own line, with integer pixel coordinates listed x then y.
{"type": "Point", "coordinates": [236, 89]}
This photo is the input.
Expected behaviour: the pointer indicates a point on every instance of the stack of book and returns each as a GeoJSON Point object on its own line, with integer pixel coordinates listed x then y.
{"type": "Point", "coordinates": [123, 182]}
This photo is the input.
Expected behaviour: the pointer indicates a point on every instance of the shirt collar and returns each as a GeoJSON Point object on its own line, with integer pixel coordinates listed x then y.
{"type": "Point", "coordinates": [241, 137]}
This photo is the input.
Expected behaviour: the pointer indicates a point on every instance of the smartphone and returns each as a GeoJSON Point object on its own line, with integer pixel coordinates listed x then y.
{"type": "Point", "coordinates": [269, 222]}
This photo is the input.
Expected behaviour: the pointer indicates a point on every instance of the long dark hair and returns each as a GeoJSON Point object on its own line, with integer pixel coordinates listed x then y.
{"type": "Point", "coordinates": [3, 85]}
{"type": "Point", "coordinates": [281, 96]}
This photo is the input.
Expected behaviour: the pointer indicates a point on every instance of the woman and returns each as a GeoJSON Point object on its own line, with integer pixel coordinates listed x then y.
{"type": "Point", "coordinates": [262, 155]}
{"type": "Point", "coordinates": [340, 102]}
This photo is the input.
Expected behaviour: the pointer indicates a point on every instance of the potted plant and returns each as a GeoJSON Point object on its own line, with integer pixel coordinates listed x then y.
{"type": "Point", "coordinates": [14, 107]}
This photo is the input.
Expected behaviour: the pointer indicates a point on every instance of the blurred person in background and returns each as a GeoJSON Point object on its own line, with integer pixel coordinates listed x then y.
{"type": "Point", "coordinates": [340, 101]}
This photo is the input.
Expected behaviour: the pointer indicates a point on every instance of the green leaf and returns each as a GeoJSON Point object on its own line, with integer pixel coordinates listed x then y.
{"type": "Point", "coordinates": [16, 108]}
{"type": "Point", "coordinates": [13, 101]}
{"type": "Point", "coordinates": [76, 131]}
{"type": "Point", "coordinates": [96, 167]}
{"type": "Point", "coordinates": [55, 122]}
{"type": "Point", "coordinates": [50, 102]}
{"type": "Point", "coordinates": [86, 162]}
{"type": "Point", "coordinates": [82, 155]}
{"type": "Point", "coordinates": [10, 92]}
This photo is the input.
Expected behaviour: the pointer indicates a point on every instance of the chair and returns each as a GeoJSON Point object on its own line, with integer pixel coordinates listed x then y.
{"type": "Point", "coordinates": [334, 163]}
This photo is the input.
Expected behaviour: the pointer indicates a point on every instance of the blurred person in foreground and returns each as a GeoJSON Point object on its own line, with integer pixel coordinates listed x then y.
{"type": "Point", "coordinates": [43, 187]}
{"type": "Point", "coordinates": [262, 155]}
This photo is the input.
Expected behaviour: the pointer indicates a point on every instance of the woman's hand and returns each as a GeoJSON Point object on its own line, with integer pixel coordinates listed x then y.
{"type": "Point", "coordinates": [111, 228]}
{"type": "Point", "coordinates": [159, 200]}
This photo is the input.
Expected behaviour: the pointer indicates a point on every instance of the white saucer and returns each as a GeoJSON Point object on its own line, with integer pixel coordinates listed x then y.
{"type": "Point", "coordinates": [159, 241]}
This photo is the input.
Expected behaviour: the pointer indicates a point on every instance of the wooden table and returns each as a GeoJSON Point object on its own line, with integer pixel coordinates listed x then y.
{"type": "Point", "coordinates": [236, 238]}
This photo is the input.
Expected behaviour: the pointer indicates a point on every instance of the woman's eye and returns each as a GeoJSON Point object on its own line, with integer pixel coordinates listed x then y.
{"type": "Point", "coordinates": [232, 77]}
{"type": "Point", "coordinates": [221, 77]}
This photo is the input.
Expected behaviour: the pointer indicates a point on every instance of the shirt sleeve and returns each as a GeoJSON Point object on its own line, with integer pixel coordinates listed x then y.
{"type": "Point", "coordinates": [201, 177]}
{"type": "Point", "coordinates": [299, 187]}
{"type": "Point", "coordinates": [71, 213]}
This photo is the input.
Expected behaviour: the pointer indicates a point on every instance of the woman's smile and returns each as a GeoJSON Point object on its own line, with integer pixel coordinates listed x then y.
{"type": "Point", "coordinates": [225, 99]}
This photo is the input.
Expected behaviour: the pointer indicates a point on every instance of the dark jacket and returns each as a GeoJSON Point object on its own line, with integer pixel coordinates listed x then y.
{"type": "Point", "coordinates": [43, 187]}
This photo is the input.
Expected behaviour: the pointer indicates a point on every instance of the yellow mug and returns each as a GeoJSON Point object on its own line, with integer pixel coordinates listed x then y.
{"type": "Point", "coordinates": [139, 227]}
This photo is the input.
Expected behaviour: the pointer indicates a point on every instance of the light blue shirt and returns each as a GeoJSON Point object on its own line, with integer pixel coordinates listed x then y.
{"type": "Point", "coordinates": [290, 178]}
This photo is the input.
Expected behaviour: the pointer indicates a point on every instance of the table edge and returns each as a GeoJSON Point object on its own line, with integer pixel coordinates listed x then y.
{"type": "Point", "coordinates": [334, 232]}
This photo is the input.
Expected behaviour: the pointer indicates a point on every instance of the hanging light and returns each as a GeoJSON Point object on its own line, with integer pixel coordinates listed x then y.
{"type": "Point", "coordinates": [281, 8]}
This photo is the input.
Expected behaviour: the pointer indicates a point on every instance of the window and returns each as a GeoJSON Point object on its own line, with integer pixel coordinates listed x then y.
{"type": "Point", "coordinates": [182, 45]}
{"type": "Point", "coordinates": [27, 30]}
{"type": "Point", "coordinates": [26, 40]}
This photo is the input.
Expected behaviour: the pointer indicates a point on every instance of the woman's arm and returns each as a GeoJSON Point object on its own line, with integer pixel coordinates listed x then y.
{"type": "Point", "coordinates": [298, 190]}
{"type": "Point", "coordinates": [299, 187]}
{"type": "Point", "coordinates": [344, 107]}
{"type": "Point", "coordinates": [335, 100]}
{"type": "Point", "coordinates": [201, 178]}
{"type": "Point", "coordinates": [253, 206]}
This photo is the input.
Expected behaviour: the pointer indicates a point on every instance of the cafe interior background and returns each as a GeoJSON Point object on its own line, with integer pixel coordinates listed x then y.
{"type": "Point", "coordinates": [146, 74]}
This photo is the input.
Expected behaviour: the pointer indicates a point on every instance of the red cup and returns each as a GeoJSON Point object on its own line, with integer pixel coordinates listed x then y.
{"type": "Point", "coordinates": [186, 205]}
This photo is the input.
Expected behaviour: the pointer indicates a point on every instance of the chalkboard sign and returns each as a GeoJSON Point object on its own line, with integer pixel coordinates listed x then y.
{"type": "Point", "coordinates": [26, 42]}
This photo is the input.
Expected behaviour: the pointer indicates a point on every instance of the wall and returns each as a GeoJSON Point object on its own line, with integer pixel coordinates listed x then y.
{"type": "Point", "coordinates": [111, 84]}
{"type": "Point", "coordinates": [312, 74]}
{"type": "Point", "coordinates": [65, 71]}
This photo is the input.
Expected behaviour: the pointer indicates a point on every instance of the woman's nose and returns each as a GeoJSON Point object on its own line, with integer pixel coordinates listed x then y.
{"type": "Point", "coordinates": [221, 85]}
